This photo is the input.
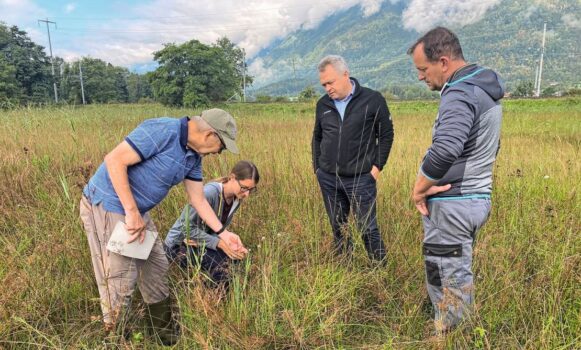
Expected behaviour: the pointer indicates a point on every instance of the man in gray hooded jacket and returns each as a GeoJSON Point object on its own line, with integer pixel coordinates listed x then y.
{"type": "Point", "coordinates": [454, 182]}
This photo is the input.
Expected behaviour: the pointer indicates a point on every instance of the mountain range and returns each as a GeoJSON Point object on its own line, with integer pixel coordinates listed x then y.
{"type": "Point", "coordinates": [506, 38]}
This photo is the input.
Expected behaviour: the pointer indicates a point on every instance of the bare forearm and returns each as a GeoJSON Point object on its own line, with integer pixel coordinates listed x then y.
{"type": "Point", "coordinates": [120, 180]}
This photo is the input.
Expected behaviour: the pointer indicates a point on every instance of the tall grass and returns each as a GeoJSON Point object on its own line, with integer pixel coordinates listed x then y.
{"type": "Point", "coordinates": [291, 293]}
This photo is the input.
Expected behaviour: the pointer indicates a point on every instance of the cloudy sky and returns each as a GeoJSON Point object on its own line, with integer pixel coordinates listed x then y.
{"type": "Point", "coordinates": [126, 32]}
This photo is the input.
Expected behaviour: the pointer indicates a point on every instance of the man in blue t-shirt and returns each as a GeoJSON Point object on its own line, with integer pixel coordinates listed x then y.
{"type": "Point", "coordinates": [135, 177]}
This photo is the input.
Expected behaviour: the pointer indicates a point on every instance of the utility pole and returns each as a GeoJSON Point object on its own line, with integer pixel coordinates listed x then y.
{"type": "Point", "coordinates": [294, 73]}
{"type": "Point", "coordinates": [536, 80]}
{"type": "Point", "coordinates": [82, 87]}
{"type": "Point", "coordinates": [243, 75]}
{"type": "Point", "coordinates": [56, 97]}
{"type": "Point", "coordinates": [538, 94]}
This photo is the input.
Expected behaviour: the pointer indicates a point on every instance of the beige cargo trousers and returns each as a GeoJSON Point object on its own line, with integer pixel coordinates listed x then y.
{"type": "Point", "coordinates": [117, 275]}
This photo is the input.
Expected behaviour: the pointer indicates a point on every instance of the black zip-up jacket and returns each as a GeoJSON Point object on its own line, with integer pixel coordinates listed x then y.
{"type": "Point", "coordinates": [362, 139]}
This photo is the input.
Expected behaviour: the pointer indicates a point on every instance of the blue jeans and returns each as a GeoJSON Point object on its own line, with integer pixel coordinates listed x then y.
{"type": "Point", "coordinates": [342, 194]}
{"type": "Point", "coordinates": [214, 263]}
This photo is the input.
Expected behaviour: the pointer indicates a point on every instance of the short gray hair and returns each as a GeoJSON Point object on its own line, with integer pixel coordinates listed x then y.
{"type": "Point", "coordinates": [336, 61]}
{"type": "Point", "coordinates": [201, 123]}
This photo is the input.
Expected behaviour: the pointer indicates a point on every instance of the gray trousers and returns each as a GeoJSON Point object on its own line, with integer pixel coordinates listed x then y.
{"type": "Point", "coordinates": [449, 235]}
{"type": "Point", "coordinates": [117, 275]}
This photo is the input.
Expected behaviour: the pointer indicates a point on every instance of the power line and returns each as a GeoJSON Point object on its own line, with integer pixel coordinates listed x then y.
{"type": "Point", "coordinates": [184, 28]}
{"type": "Point", "coordinates": [244, 27]}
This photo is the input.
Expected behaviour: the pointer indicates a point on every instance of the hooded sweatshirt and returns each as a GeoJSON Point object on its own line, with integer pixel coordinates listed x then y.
{"type": "Point", "coordinates": [191, 221]}
{"type": "Point", "coordinates": [466, 134]}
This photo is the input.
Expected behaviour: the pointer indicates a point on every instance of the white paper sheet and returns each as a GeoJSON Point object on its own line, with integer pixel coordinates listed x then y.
{"type": "Point", "coordinates": [118, 243]}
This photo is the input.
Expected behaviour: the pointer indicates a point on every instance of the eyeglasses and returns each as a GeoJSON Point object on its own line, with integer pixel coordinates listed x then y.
{"type": "Point", "coordinates": [222, 144]}
{"type": "Point", "coordinates": [244, 189]}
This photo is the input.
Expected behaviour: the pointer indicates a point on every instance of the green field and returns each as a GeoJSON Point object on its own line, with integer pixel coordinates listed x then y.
{"type": "Point", "coordinates": [289, 294]}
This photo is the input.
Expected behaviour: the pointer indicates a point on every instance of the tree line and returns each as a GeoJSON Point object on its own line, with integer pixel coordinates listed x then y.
{"type": "Point", "coordinates": [190, 74]}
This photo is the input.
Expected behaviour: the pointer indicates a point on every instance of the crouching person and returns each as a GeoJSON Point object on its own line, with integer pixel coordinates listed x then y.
{"type": "Point", "coordinates": [135, 177]}
{"type": "Point", "coordinates": [191, 241]}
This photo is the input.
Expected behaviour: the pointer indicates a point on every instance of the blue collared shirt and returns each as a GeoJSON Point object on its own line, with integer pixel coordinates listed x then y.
{"type": "Point", "coordinates": [166, 160]}
{"type": "Point", "coordinates": [341, 105]}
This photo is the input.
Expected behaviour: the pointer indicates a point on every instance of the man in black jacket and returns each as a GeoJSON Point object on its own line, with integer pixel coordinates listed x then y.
{"type": "Point", "coordinates": [351, 142]}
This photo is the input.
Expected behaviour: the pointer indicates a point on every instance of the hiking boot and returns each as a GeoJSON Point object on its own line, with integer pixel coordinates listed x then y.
{"type": "Point", "coordinates": [160, 323]}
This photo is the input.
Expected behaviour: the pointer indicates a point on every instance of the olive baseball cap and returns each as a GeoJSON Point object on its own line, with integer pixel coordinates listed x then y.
{"type": "Point", "coordinates": [225, 126]}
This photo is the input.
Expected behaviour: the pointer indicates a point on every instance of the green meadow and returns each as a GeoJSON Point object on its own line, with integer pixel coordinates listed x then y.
{"type": "Point", "coordinates": [290, 293]}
